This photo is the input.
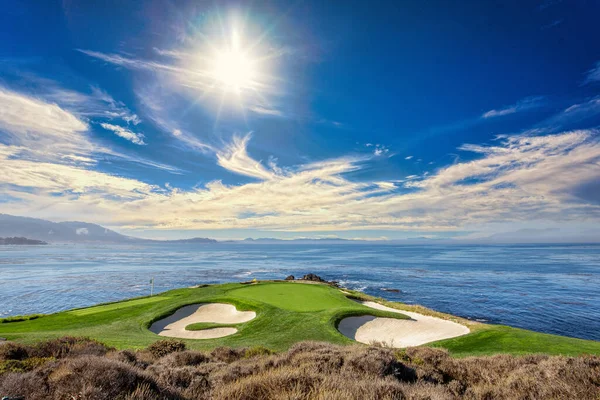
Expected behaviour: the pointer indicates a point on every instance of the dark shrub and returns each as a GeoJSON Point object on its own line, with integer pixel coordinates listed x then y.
{"type": "Point", "coordinates": [183, 358]}
{"type": "Point", "coordinates": [226, 354]}
{"type": "Point", "coordinates": [31, 385]}
{"type": "Point", "coordinates": [13, 351]}
{"type": "Point", "coordinates": [72, 346]}
{"type": "Point", "coordinates": [310, 370]}
{"type": "Point", "coordinates": [163, 347]}
{"type": "Point", "coordinates": [94, 377]}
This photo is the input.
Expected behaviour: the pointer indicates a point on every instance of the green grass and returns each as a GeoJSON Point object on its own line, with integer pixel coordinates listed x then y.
{"type": "Point", "coordinates": [286, 314]}
{"type": "Point", "coordinates": [116, 306]}
{"type": "Point", "coordinates": [494, 339]}
{"type": "Point", "coordinates": [294, 297]}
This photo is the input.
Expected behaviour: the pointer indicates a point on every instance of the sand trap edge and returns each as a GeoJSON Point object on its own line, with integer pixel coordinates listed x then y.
{"type": "Point", "coordinates": [174, 325]}
{"type": "Point", "coordinates": [418, 330]}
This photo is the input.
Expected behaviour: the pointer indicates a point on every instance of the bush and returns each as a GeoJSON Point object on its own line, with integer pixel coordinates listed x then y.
{"type": "Point", "coordinates": [20, 318]}
{"type": "Point", "coordinates": [257, 351]}
{"type": "Point", "coordinates": [28, 364]}
{"type": "Point", "coordinates": [69, 345]}
{"type": "Point", "coordinates": [13, 351]}
{"type": "Point", "coordinates": [308, 370]}
{"type": "Point", "coordinates": [162, 348]}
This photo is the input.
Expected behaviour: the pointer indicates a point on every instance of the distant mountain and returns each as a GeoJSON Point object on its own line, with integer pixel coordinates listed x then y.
{"type": "Point", "coordinates": [71, 231]}
{"type": "Point", "coordinates": [547, 235]}
{"type": "Point", "coordinates": [20, 241]}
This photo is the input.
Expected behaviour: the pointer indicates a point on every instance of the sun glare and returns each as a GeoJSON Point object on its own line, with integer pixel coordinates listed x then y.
{"type": "Point", "coordinates": [233, 68]}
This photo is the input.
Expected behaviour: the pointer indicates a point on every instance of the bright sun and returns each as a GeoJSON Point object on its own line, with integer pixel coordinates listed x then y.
{"type": "Point", "coordinates": [233, 68]}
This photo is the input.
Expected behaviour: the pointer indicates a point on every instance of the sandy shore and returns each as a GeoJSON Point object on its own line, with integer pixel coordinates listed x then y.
{"type": "Point", "coordinates": [418, 330]}
{"type": "Point", "coordinates": [174, 325]}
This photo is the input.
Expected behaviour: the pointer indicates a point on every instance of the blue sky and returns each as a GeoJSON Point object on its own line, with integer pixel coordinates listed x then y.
{"type": "Point", "coordinates": [303, 119]}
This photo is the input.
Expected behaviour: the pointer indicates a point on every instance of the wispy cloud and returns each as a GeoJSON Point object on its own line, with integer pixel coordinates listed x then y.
{"type": "Point", "coordinates": [572, 115]}
{"type": "Point", "coordinates": [519, 178]}
{"type": "Point", "coordinates": [548, 3]}
{"type": "Point", "coordinates": [160, 112]}
{"type": "Point", "coordinates": [38, 126]}
{"type": "Point", "coordinates": [593, 75]}
{"type": "Point", "coordinates": [266, 111]}
{"type": "Point", "coordinates": [408, 157]}
{"type": "Point", "coordinates": [527, 103]}
{"type": "Point", "coordinates": [235, 158]}
{"type": "Point", "coordinates": [133, 137]}
{"type": "Point", "coordinates": [552, 24]}
{"type": "Point", "coordinates": [37, 130]}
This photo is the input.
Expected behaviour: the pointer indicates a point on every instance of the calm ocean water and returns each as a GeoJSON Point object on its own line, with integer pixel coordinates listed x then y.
{"type": "Point", "coordinates": [547, 288]}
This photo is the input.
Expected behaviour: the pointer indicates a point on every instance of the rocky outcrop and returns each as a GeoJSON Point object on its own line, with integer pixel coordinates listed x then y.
{"type": "Point", "coordinates": [313, 278]}
{"type": "Point", "coordinates": [290, 278]}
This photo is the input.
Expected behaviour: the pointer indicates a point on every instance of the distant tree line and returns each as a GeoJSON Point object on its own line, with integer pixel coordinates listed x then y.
{"type": "Point", "coordinates": [20, 240]}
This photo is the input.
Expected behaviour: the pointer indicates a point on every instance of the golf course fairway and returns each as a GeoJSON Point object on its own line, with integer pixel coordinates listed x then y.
{"type": "Point", "coordinates": [286, 313]}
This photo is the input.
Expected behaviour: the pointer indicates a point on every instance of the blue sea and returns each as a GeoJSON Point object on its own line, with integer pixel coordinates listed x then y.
{"type": "Point", "coordinates": [546, 288]}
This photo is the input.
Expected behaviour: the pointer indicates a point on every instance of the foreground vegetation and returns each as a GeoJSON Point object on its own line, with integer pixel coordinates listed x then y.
{"type": "Point", "coordinates": [287, 313]}
{"type": "Point", "coordinates": [71, 368]}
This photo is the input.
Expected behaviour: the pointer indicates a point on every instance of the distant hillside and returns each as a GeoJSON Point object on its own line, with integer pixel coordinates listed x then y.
{"type": "Point", "coordinates": [20, 241]}
{"type": "Point", "coordinates": [40, 229]}
{"type": "Point", "coordinates": [72, 232]}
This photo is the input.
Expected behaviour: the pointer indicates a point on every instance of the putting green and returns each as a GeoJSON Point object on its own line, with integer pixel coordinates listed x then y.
{"type": "Point", "coordinates": [293, 296]}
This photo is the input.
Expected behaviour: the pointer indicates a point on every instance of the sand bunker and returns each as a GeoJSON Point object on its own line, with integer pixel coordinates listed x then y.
{"type": "Point", "coordinates": [418, 330]}
{"type": "Point", "coordinates": [174, 325]}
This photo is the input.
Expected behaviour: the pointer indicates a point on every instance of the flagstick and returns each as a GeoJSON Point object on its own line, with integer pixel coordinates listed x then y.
{"type": "Point", "coordinates": [152, 288]}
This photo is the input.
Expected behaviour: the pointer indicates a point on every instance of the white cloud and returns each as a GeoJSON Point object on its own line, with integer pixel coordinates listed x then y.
{"type": "Point", "coordinates": [593, 75]}
{"type": "Point", "coordinates": [518, 179]}
{"type": "Point", "coordinates": [235, 158]}
{"type": "Point", "coordinates": [22, 115]}
{"type": "Point", "coordinates": [266, 111]}
{"type": "Point", "coordinates": [380, 150]}
{"type": "Point", "coordinates": [527, 103]}
{"type": "Point", "coordinates": [572, 115]}
{"type": "Point", "coordinates": [408, 157]}
{"type": "Point", "coordinates": [133, 137]}
{"type": "Point", "coordinates": [37, 130]}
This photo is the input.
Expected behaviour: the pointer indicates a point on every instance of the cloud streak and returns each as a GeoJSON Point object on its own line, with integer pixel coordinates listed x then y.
{"type": "Point", "coordinates": [520, 178]}
{"type": "Point", "coordinates": [527, 103]}
{"type": "Point", "coordinates": [593, 75]}
{"type": "Point", "coordinates": [136, 138]}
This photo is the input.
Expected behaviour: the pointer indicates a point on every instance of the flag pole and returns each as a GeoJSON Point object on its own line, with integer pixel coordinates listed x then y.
{"type": "Point", "coordinates": [152, 287]}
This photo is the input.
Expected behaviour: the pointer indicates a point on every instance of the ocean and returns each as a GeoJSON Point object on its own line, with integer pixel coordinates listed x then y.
{"type": "Point", "coordinates": [545, 288]}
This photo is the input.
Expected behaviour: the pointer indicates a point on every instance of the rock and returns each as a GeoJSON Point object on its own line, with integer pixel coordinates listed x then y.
{"type": "Point", "coordinates": [290, 278]}
{"type": "Point", "coordinates": [313, 277]}
{"type": "Point", "coordinates": [391, 290]}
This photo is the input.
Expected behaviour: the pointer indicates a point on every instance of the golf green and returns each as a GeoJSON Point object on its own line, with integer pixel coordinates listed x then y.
{"type": "Point", "coordinates": [286, 313]}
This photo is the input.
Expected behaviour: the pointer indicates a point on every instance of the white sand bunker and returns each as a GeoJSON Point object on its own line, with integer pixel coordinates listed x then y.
{"type": "Point", "coordinates": [174, 325]}
{"type": "Point", "coordinates": [418, 330]}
